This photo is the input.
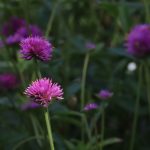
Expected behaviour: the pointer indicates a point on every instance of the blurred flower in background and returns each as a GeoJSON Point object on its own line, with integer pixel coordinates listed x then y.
{"type": "Point", "coordinates": [8, 81]}
{"type": "Point", "coordinates": [105, 94]}
{"type": "Point", "coordinates": [43, 91]}
{"type": "Point", "coordinates": [29, 106]}
{"type": "Point", "coordinates": [16, 29]}
{"type": "Point", "coordinates": [36, 47]}
{"type": "Point", "coordinates": [138, 41]}
{"type": "Point", "coordinates": [90, 106]}
{"type": "Point", "coordinates": [90, 45]}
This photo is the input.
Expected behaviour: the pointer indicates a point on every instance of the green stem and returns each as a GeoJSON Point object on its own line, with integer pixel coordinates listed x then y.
{"type": "Point", "coordinates": [147, 12]}
{"type": "Point", "coordinates": [84, 72]}
{"type": "Point", "coordinates": [37, 68]}
{"type": "Point", "coordinates": [35, 129]}
{"type": "Point", "coordinates": [102, 128]}
{"type": "Point", "coordinates": [136, 111]}
{"type": "Point", "coordinates": [148, 85]}
{"type": "Point", "coordinates": [87, 128]}
{"type": "Point", "coordinates": [51, 18]}
{"type": "Point", "coordinates": [48, 125]}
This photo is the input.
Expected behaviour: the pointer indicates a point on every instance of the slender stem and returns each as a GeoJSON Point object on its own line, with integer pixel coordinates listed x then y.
{"type": "Point", "coordinates": [84, 72]}
{"type": "Point", "coordinates": [87, 127]}
{"type": "Point", "coordinates": [147, 11]}
{"type": "Point", "coordinates": [136, 111]}
{"type": "Point", "coordinates": [51, 18]}
{"type": "Point", "coordinates": [102, 128]}
{"type": "Point", "coordinates": [37, 134]}
{"type": "Point", "coordinates": [37, 68]}
{"type": "Point", "coordinates": [48, 125]}
{"type": "Point", "coordinates": [148, 85]}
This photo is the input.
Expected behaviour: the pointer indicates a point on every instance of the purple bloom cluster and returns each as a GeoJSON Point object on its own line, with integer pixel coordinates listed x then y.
{"type": "Point", "coordinates": [90, 106]}
{"type": "Point", "coordinates": [17, 29]}
{"type": "Point", "coordinates": [43, 91]}
{"type": "Point", "coordinates": [29, 106]}
{"type": "Point", "coordinates": [90, 45]}
{"type": "Point", "coordinates": [138, 41]}
{"type": "Point", "coordinates": [105, 94]}
{"type": "Point", "coordinates": [8, 81]}
{"type": "Point", "coordinates": [36, 47]}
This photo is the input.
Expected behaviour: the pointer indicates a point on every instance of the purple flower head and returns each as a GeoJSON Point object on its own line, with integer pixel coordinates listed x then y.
{"type": "Point", "coordinates": [29, 105]}
{"type": "Point", "coordinates": [12, 26]}
{"type": "Point", "coordinates": [43, 91]}
{"type": "Point", "coordinates": [36, 47]}
{"type": "Point", "coordinates": [22, 33]}
{"type": "Point", "coordinates": [8, 81]}
{"type": "Point", "coordinates": [105, 94]}
{"type": "Point", "coordinates": [138, 41]}
{"type": "Point", "coordinates": [90, 106]}
{"type": "Point", "coordinates": [90, 45]}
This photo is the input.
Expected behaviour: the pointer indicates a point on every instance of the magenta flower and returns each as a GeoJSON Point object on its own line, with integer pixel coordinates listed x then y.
{"type": "Point", "coordinates": [8, 81]}
{"type": "Point", "coordinates": [43, 91]}
{"type": "Point", "coordinates": [90, 45]}
{"type": "Point", "coordinates": [29, 106]}
{"type": "Point", "coordinates": [90, 106]}
{"type": "Point", "coordinates": [105, 94]}
{"type": "Point", "coordinates": [36, 47]}
{"type": "Point", "coordinates": [138, 41]}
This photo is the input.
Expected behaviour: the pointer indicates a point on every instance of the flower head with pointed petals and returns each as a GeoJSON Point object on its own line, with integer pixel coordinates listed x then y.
{"type": "Point", "coordinates": [43, 91]}
{"type": "Point", "coordinates": [36, 47]}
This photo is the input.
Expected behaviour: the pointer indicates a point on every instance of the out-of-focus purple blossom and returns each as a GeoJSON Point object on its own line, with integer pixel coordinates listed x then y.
{"type": "Point", "coordinates": [8, 81]}
{"type": "Point", "coordinates": [30, 105]}
{"type": "Point", "coordinates": [43, 91]}
{"type": "Point", "coordinates": [36, 47]}
{"type": "Point", "coordinates": [138, 41]}
{"type": "Point", "coordinates": [22, 33]}
{"type": "Point", "coordinates": [12, 26]}
{"type": "Point", "coordinates": [105, 94]}
{"type": "Point", "coordinates": [90, 45]}
{"type": "Point", "coordinates": [90, 106]}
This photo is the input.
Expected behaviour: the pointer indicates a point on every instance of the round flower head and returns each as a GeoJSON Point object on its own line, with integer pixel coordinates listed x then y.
{"type": "Point", "coordinates": [138, 41]}
{"type": "Point", "coordinates": [105, 94]}
{"type": "Point", "coordinates": [36, 47]}
{"type": "Point", "coordinates": [90, 106]}
{"type": "Point", "coordinates": [43, 91]}
{"type": "Point", "coordinates": [8, 81]}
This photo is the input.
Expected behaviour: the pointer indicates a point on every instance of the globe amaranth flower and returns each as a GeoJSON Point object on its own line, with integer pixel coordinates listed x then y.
{"type": "Point", "coordinates": [8, 81]}
{"type": "Point", "coordinates": [43, 91]}
{"type": "Point", "coordinates": [138, 41]}
{"type": "Point", "coordinates": [90, 106]}
{"type": "Point", "coordinates": [29, 106]}
{"type": "Point", "coordinates": [36, 47]}
{"type": "Point", "coordinates": [90, 45]}
{"type": "Point", "coordinates": [22, 33]}
{"type": "Point", "coordinates": [105, 94]}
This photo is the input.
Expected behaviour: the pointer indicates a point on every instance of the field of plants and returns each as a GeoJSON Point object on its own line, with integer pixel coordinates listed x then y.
{"type": "Point", "coordinates": [75, 75]}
